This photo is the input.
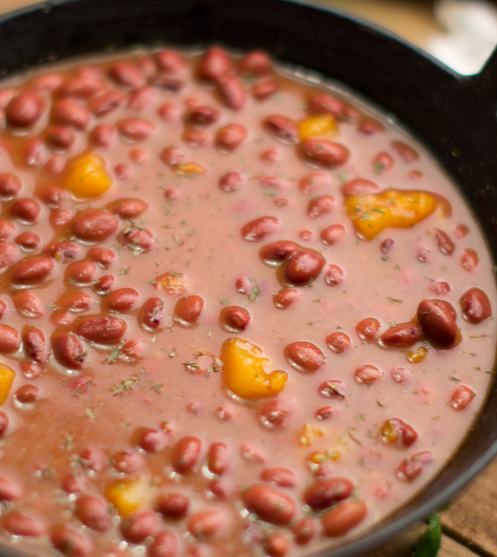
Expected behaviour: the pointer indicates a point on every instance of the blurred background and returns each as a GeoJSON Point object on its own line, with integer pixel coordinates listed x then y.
{"type": "Point", "coordinates": [461, 33]}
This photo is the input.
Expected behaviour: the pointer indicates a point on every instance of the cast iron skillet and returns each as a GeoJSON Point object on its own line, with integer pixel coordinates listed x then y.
{"type": "Point", "coordinates": [453, 116]}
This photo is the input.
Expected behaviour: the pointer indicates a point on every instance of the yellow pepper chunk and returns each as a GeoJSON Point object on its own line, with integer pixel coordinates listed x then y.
{"type": "Point", "coordinates": [318, 126]}
{"type": "Point", "coordinates": [418, 355]}
{"type": "Point", "coordinates": [128, 495]}
{"type": "Point", "coordinates": [372, 213]}
{"type": "Point", "coordinates": [87, 177]}
{"type": "Point", "coordinates": [308, 434]}
{"type": "Point", "coordinates": [243, 371]}
{"type": "Point", "coordinates": [6, 379]}
{"type": "Point", "coordinates": [190, 169]}
{"type": "Point", "coordinates": [323, 456]}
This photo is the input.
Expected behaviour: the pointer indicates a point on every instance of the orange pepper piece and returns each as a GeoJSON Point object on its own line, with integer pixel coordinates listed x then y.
{"type": "Point", "coordinates": [87, 177]}
{"type": "Point", "coordinates": [128, 495]}
{"type": "Point", "coordinates": [6, 379]}
{"type": "Point", "coordinates": [243, 371]}
{"type": "Point", "coordinates": [372, 213]}
{"type": "Point", "coordinates": [318, 126]}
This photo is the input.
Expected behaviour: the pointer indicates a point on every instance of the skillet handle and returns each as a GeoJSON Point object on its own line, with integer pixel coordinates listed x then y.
{"type": "Point", "coordinates": [484, 84]}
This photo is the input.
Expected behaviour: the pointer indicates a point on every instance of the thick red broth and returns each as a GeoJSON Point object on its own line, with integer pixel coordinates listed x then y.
{"type": "Point", "coordinates": [241, 313]}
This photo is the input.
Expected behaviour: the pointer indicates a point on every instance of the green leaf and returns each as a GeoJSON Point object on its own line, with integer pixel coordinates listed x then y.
{"type": "Point", "coordinates": [429, 543]}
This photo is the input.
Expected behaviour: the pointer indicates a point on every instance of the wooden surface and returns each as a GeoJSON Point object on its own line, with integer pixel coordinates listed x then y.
{"type": "Point", "coordinates": [470, 524]}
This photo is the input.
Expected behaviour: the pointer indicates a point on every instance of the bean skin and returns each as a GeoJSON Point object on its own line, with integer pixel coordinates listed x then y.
{"type": "Point", "coordinates": [8, 254]}
{"type": "Point", "coordinates": [260, 228]}
{"type": "Point", "coordinates": [127, 74]}
{"type": "Point", "coordinates": [359, 186]}
{"type": "Point", "coordinates": [232, 92]}
{"type": "Point", "coordinates": [129, 208]}
{"type": "Point", "coordinates": [218, 458]}
{"type": "Point", "coordinates": [68, 113]}
{"type": "Point", "coordinates": [367, 374]}
{"type": "Point", "coordinates": [122, 300]}
{"type": "Point", "coordinates": [106, 103]}
{"type": "Point", "coordinates": [342, 518]}
{"type": "Point", "coordinates": [230, 137]}
{"type": "Point", "coordinates": [469, 260]}
{"type": "Point", "coordinates": [282, 477]}
{"type": "Point", "coordinates": [332, 234]}
{"type": "Point", "coordinates": [10, 491]}
{"type": "Point", "coordinates": [62, 251]}
{"type": "Point", "coordinates": [278, 252]}
{"type": "Point", "coordinates": [84, 87]}
{"type": "Point", "coordinates": [139, 240]}
{"type": "Point", "coordinates": [445, 244]}
{"type": "Point", "coordinates": [275, 412]}
{"type": "Point", "coordinates": [461, 397]}
{"type": "Point", "coordinates": [255, 63]}
{"type": "Point", "coordinates": [23, 525]}
{"type": "Point", "coordinates": [438, 322]}
{"type": "Point", "coordinates": [282, 128]}
{"type": "Point", "coordinates": [304, 267]}
{"type": "Point", "coordinates": [172, 505]}
{"type": "Point", "coordinates": [92, 512]}
{"type": "Point", "coordinates": [399, 432]}
{"type": "Point", "coordinates": [25, 109]}
{"type": "Point", "coordinates": [440, 288]}
{"type": "Point", "coordinates": [320, 206]}
{"type": "Point", "coordinates": [152, 313]}
{"type": "Point", "coordinates": [304, 530]}
{"type": "Point", "coordinates": [151, 440]}
{"type": "Point", "coordinates": [164, 544]}
{"type": "Point", "coordinates": [338, 342]}
{"type": "Point", "coordinates": [475, 306]}
{"type": "Point", "coordinates": [81, 273]}
{"type": "Point", "coordinates": [129, 462]}
{"type": "Point", "coordinates": [403, 335]}
{"type": "Point", "coordinates": [138, 527]}
{"type": "Point", "coordinates": [305, 357]}
{"type": "Point", "coordinates": [102, 256]}
{"type": "Point", "coordinates": [208, 524]}
{"type": "Point", "coordinates": [101, 330]}
{"type": "Point", "coordinates": [269, 504]}
{"type": "Point", "coordinates": [27, 394]}
{"type": "Point", "coordinates": [9, 339]}
{"type": "Point", "coordinates": [4, 422]}
{"type": "Point", "coordinates": [230, 182]}
{"type": "Point", "coordinates": [10, 185]}
{"type": "Point", "coordinates": [411, 467]}
{"type": "Point", "coordinates": [324, 103]}
{"type": "Point", "coordinates": [134, 129]}
{"type": "Point", "coordinates": [25, 210]}
{"type": "Point", "coordinates": [70, 543]}
{"type": "Point", "coordinates": [406, 153]}
{"type": "Point", "coordinates": [28, 241]}
{"type": "Point", "coordinates": [203, 116]}
{"type": "Point", "coordinates": [68, 350]}
{"type": "Point", "coordinates": [103, 136]}
{"type": "Point", "coordinates": [324, 152]}
{"type": "Point", "coordinates": [215, 64]}
{"type": "Point", "coordinates": [321, 495]}
{"type": "Point", "coordinates": [188, 310]}
{"type": "Point", "coordinates": [94, 226]}
{"type": "Point", "coordinates": [186, 454]}
{"type": "Point", "coordinates": [316, 181]}
{"type": "Point", "coordinates": [234, 319]}
{"type": "Point", "coordinates": [35, 345]}
{"type": "Point", "coordinates": [171, 63]}
{"type": "Point", "coordinates": [285, 298]}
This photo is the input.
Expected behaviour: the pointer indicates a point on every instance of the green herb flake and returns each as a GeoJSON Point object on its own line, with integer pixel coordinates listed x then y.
{"type": "Point", "coordinates": [125, 270]}
{"type": "Point", "coordinates": [224, 301]}
{"type": "Point", "coordinates": [395, 300]}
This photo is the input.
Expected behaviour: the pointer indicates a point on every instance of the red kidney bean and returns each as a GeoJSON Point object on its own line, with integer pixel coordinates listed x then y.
{"type": "Point", "coordinates": [332, 234]}
{"type": "Point", "coordinates": [324, 103]}
{"type": "Point", "coordinates": [139, 240]}
{"type": "Point", "coordinates": [338, 342]}
{"type": "Point", "coordinates": [25, 210]}
{"type": "Point", "coordinates": [152, 313]}
{"type": "Point", "coordinates": [276, 545]}
{"type": "Point", "coordinates": [6, 95]}
{"type": "Point", "coordinates": [55, 165]}
{"type": "Point", "coordinates": [278, 252]}
{"type": "Point", "coordinates": [367, 374]}
{"type": "Point", "coordinates": [35, 152]}
{"type": "Point", "coordinates": [9, 339]}
{"type": "Point", "coordinates": [321, 495]}
{"type": "Point", "coordinates": [10, 491]}
{"type": "Point", "coordinates": [106, 103]}
{"type": "Point", "coordinates": [53, 196]}
{"type": "Point", "coordinates": [172, 157]}
{"type": "Point", "coordinates": [102, 256]}
{"type": "Point", "coordinates": [258, 229]}
{"type": "Point", "coordinates": [8, 254]}
{"type": "Point", "coordinates": [92, 459]}
{"type": "Point", "coordinates": [76, 302]}
{"type": "Point", "coordinates": [232, 181]}
{"type": "Point", "coordinates": [94, 226]}
{"type": "Point", "coordinates": [27, 241]}
{"type": "Point", "coordinates": [438, 321]}
{"type": "Point", "coordinates": [27, 394]}
{"type": "Point", "coordinates": [7, 229]}
{"type": "Point", "coordinates": [61, 137]}
{"type": "Point", "coordinates": [215, 64]}
{"type": "Point", "coordinates": [406, 153]}
{"type": "Point", "coordinates": [270, 156]}
{"type": "Point", "coordinates": [230, 137]}
{"type": "Point", "coordinates": [469, 260]}
{"type": "Point", "coordinates": [382, 161]}
{"type": "Point", "coordinates": [275, 412]}
{"type": "Point", "coordinates": [71, 543]}
{"type": "Point", "coordinates": [232, 92]}
{"type": "Point", "coordinates": [264, 90]}
{"type": "Point", "coordinates": [172, 505]}
{"type": "Point", "coordinates": [282, 477]}
{"type": "Point", "coordinates": [223, 489]}
{"type": "Point", "coordinates": [138, 155]}
{"type": "Point", "coordinates": [151, 440]}
{"type": "Point", "coordinates": [129, 462]}
{"type": "Point", "coordinates": [72, 483]}
{"type": "Point", "coordinates": [234, 319]}
{"type": "Point", "coordinates": [3, 308]}
{"type": "Point", "coordinates": [10, 185]}
{"type": "Point", "coordinates": [61, 318]}
{"type": "Point", "coordinates": [127, 74]}
{"type": "Point", "coordinates": [208, 524]}
{"type": "Point", "coordinates": [104, 284]}
{"type": "Point", "coordinates": [142, 98]}
{"type": "Point", "coordinates": [369, 126]}
{"type": "Point", "coordinates": [60, 217]}
{"type": "Point", "coordinates": [403, 335]}
{"type": "Point", "coordinates": [255, 63]}
{"type": "Point", "coordinates": [269, 504]}
{"type": "Point", "coordinates": [167, 83]}
{"type": "Point", "coordinates": [186, 454]}
{"type": "Point", "coordinates": [203, 116]}
{"type": "Point", "coordinates": [84, 87]}
{"type": "Point", "coordinates": [4, 422]}
{"type": "Point", "coordinates": [475, 306]}
{"type": "Point", "coordinates": [68, 113]}
{"type": "Point", "coordinates": [68, 351]}
{"type": "Point", "coordinates": [104, 136]}
{"type": "Point", "coordinates": [122, 300]}
{"type": "Point", "coordinates": [397, 431]}
{"type": "Point", "coordinates": [196, 138]}
{"type": "Point", "coordinates": [461, 397]}
{"type": "Point", "coordinates": [320, 206]}
{"type": "Point", "coordinates": [218, 458]}
{"type": "Point", "coordinates": [305, 357]}
{"type": "Point", "coordinates": [461, 231]}
{"type": "Point", "coordinates": [138, 527]}
{"type": "Point", "coordinates": [325, 413]}
{"type": "Point", "coordinates": [28, 305]}
{"type": "Point", "coordinates": [188, 309]}
{"type": "Point", "coordinates": [445, 244]}
{"type": "Point", "coordinates": [101, 330]}
{"type": "Point", "coordinates": [23, 525]}
{"type": "Point", "coordinates": [133, 349]}
{"type": "Point", "coordinates": [93, 513]}
{"type": "Point", "coordinates": [62, 251]}
{"type": "Point", "coordinates": [32, 270]}
{"type": "Point", "coordinates": [440, 288]}
{"type": "Point", "coordinates": [359, 186]}
{"type": "Point", "coordinates": [25, 109]}
{"type": "Point", "coordinates": [282, 128]}
{"type": "Point", "coordinates": [81, 272]}
{"type": "Point", "coordinates": [411, 467]}
{"type": "Point", "coordinates": [285, 298]}
{"type": "Point", "coordinates": [81, 384]}
{"type": "Point", "coordinates": [304, 530]}
{"type": "Point", "coordinates": [164, 544]}
{"type": "Point", "coordinates": [304, 267]}
{"type": "Point", "coordinates": [342, 518]}
{"type": "Point", "coordinates": [168, 112]}
{"type": "Point", "coordinates": [134, 129]}
{"type": "Point", "coordinates": [315, 181]}
{"type": "Point", "coordinates": [324, 152]}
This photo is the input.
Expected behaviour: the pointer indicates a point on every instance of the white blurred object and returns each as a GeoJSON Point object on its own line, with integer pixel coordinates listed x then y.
{"type": "Point", "coordinates": [471, 34]}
